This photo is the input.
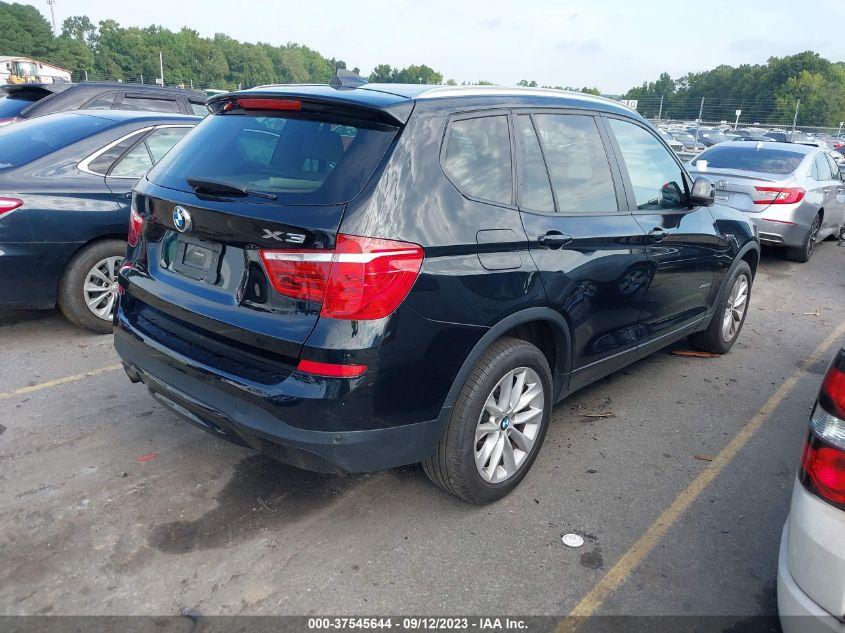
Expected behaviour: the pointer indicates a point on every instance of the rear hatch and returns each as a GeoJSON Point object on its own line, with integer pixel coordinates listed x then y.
{"type": "Point", "coordinates": [748, 176]}
{"type": "Point", "coordinates": [260, 183]}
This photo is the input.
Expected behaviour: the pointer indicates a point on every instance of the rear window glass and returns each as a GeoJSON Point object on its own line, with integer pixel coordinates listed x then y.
{"type": "Point", "coordinates": [13, 106]}
{"type": "Point", "coordinates": [26, 141]}
{"type": "Point", "coordinates": [766, 160]}
{"type": "Point", "coordinates": [301, 160]}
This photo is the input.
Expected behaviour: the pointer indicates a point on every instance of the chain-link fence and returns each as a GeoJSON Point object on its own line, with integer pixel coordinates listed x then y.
{"type": "Point", "coordinates": [738, 114]}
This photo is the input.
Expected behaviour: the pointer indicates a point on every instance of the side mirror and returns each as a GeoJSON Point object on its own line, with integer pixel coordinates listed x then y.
{"type": "Point", "coordinates": [703, 193]}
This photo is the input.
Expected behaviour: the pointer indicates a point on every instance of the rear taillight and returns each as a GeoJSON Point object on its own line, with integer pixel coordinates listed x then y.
{"type": "Point", "coordinates": [362, 278]}
{"type": "Point", "coordinates": [778, 195]}
{"type": "Point", "coordinates": [331, 370]}
{"type": "Point", "coordinates": [823, 460]}
{"type": "Point", "coordinates": [9, 204]}
{"type": "Point", "coordinates": [136, 225]}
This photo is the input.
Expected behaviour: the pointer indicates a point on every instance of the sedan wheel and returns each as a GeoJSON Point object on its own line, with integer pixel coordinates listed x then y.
{"type": "Point", "coordinates": [100, 287]}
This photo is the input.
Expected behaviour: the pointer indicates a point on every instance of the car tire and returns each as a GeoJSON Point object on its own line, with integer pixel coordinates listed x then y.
{"type": "Point", "coordinates": [78, 285]}
{"type": "Point", "coordinates": [804, 252]}
{"type": "Point", "coordinates": [729, 313]}
{"type": "Point", "coordinates": [473, 430]}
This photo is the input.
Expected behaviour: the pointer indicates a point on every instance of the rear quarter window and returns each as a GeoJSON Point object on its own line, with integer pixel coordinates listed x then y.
{"type": "Point", "coordinates": [477, 158]}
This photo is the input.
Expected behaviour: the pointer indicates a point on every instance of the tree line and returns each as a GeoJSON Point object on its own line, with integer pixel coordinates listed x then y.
{"type": "Point", "coordinates": [765, 93]}
{"type": "Point", "coordinates": [110, 51]}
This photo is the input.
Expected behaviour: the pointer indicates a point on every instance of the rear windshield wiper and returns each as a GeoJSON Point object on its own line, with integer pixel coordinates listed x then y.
{"type": "Point", "coordinates": [214, 187]}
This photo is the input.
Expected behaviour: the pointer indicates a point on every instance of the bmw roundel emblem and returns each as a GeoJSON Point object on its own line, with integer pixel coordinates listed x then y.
{"type": "Point", "coordinates": [182, 219]}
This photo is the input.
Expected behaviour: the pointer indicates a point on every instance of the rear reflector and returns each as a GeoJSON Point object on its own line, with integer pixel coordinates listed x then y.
{"type": "Point", "coordinates": [779, 195]}
{"type": "Point", "coordinates": [331, 370]}
{"type": "Point", "coordinates": [362, 278]}
{"type": "Point", "coordinates": [9, 204]}
{"type": "Point", "coordinates": [270, 104]}
{"type": "Point", "coordinates": [136, 225]}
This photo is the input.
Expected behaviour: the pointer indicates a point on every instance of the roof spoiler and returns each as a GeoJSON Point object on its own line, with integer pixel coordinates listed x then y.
{"type": "Point", "coordinates": [346, 79]}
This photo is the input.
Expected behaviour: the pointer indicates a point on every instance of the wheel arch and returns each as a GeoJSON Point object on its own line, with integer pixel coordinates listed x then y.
{"type": "Point", "coordinates": [541, 326]}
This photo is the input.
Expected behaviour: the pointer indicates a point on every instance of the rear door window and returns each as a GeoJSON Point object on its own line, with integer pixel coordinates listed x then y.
{"type": "Point", "coordinates": [821, 170]}
{"type": "Point", "coordinates": [163, 139]}
{"type": "Point", "coordinates": [577, 163]}
{"type": "Point", "coordinates": [477, 158]}
{"type": "Point", "coordinates": [301, 159]}
{"type": "Point", "coordinates": [535, 191]}
{"type": "Point", "coordinates": [148, 104]}
{"type": "Point", "coordinates": [657, 179]}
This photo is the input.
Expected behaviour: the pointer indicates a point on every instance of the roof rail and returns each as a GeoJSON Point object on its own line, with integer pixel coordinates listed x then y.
{"type": "Point", "coordinates": [346, 79]}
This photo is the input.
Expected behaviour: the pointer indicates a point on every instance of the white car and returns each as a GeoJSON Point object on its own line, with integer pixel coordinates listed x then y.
{"type": "Point", "coordinates": [811, 568]}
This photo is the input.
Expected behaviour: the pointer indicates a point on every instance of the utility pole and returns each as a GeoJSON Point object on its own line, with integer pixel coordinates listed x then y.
{"type": "Point", "coordinates": [161, 66]}
{"type": "Point", "coordinates": [660, 112]}
{"type": "Point", "coordinates": [52, 4]}
{"type": "Point", "coordinates": [86, 75]}
{"type": "Point", "coordinates": [142, 79]}
{"type": "Point", "coordinates": [795, 119]}
{"type": "Point", "coordinates": [698, 122]}
{"type": "Point", "coordinates": [192, 84]}
{"type": "Point", "coordinates": [840, 128]}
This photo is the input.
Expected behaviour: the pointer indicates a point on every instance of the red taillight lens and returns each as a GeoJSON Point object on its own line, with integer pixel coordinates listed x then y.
{"type": "Point", "coordinates": [779, 195]}
{"type": "Point", "coordinates": [298, 274]}
{"type": "Point", "coordinates": [9, 204]}
{"type": "Point", "coordinates": [136, 225]}
{"type": "Point", "coordinates": [331, 370]}
{"type": "Point", "coordinates": [363, 278]}
{"type": "Point", "coordinates": [832, 395]}
{"type": "Point", "coordinates": [823, 461]}
{"type": "Point", "coordinates": [370, 277]}
{"type": "Point", "coordinates": [823, 470]}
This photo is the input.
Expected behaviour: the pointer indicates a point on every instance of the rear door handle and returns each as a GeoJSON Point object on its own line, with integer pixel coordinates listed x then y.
{"type": "Point", "coordinates": [554, 239]}
{"type": "Point", "coordinates": [657, 235]}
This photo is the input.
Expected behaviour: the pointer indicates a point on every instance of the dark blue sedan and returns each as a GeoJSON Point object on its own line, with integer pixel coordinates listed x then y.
{"type": "Point", "coordinates": [65, 192]}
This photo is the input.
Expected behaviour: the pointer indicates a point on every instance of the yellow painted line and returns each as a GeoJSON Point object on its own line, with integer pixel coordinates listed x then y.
{"type": "Point", "coordinates": [590, 603]}
{"type": "Point", "coordinates": [58, 381]}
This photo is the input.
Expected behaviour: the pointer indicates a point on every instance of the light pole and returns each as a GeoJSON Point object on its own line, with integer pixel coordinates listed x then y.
{"type": "Point", "coordinates": [161, 66]}
{"type": "Point", "coordinates": [795, 120]}
{"type": "Point", "coordinates": [52, 4]}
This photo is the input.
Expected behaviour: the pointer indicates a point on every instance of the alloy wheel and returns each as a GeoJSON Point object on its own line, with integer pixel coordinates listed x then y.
{"type": "Point", "coordinates": [735, 310]}
{"type": "Point", "coordinates": [100, 287]}
{"type": "Point", "coordinates": [509, 424]}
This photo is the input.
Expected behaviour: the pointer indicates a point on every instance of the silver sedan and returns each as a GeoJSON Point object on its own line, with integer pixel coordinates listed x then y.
{"type": "Point", "coordinates": [794, 194]}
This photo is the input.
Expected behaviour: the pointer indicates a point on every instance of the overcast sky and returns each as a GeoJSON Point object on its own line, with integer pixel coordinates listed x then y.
{"type": "Point", "coordinates": [611, 44]}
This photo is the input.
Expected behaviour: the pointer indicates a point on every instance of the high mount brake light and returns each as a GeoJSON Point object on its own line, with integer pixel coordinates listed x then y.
{"type": "Point", "coordinates": [256, 103]}
{"type": "Point", "coordinates": [779, 195]}
{"type": "Point", "coordinates": [363, 278]}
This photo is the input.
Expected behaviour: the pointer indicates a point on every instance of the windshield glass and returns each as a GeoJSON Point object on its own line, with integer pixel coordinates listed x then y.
{"type": "Point", "coordinates": [300, 160]}
{"type": "Point", "coordinates": [24, 142]}
{"type": "Point", "coordinates": [770, 161]}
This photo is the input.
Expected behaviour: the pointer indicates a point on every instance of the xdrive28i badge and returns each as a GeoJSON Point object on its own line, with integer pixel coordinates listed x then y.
{"type": "Point", "coordinates": [182, 219]}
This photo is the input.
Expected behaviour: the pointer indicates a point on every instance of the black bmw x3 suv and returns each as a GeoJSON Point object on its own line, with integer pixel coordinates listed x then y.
{"type": "Point", "coordinates": [355, 278]}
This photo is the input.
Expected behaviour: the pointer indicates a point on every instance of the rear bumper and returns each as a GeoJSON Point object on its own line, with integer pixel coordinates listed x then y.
{"type": "Point", "coordinates": [231, 408]}
{"type": "Point", "coordinates": [798, 612]}
{"type": "Point", "coordinates": [780, 233]}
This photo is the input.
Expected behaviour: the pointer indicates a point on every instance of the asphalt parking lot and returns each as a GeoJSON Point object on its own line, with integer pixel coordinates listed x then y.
{"type": "Point", "coordinates": [113, 505]}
